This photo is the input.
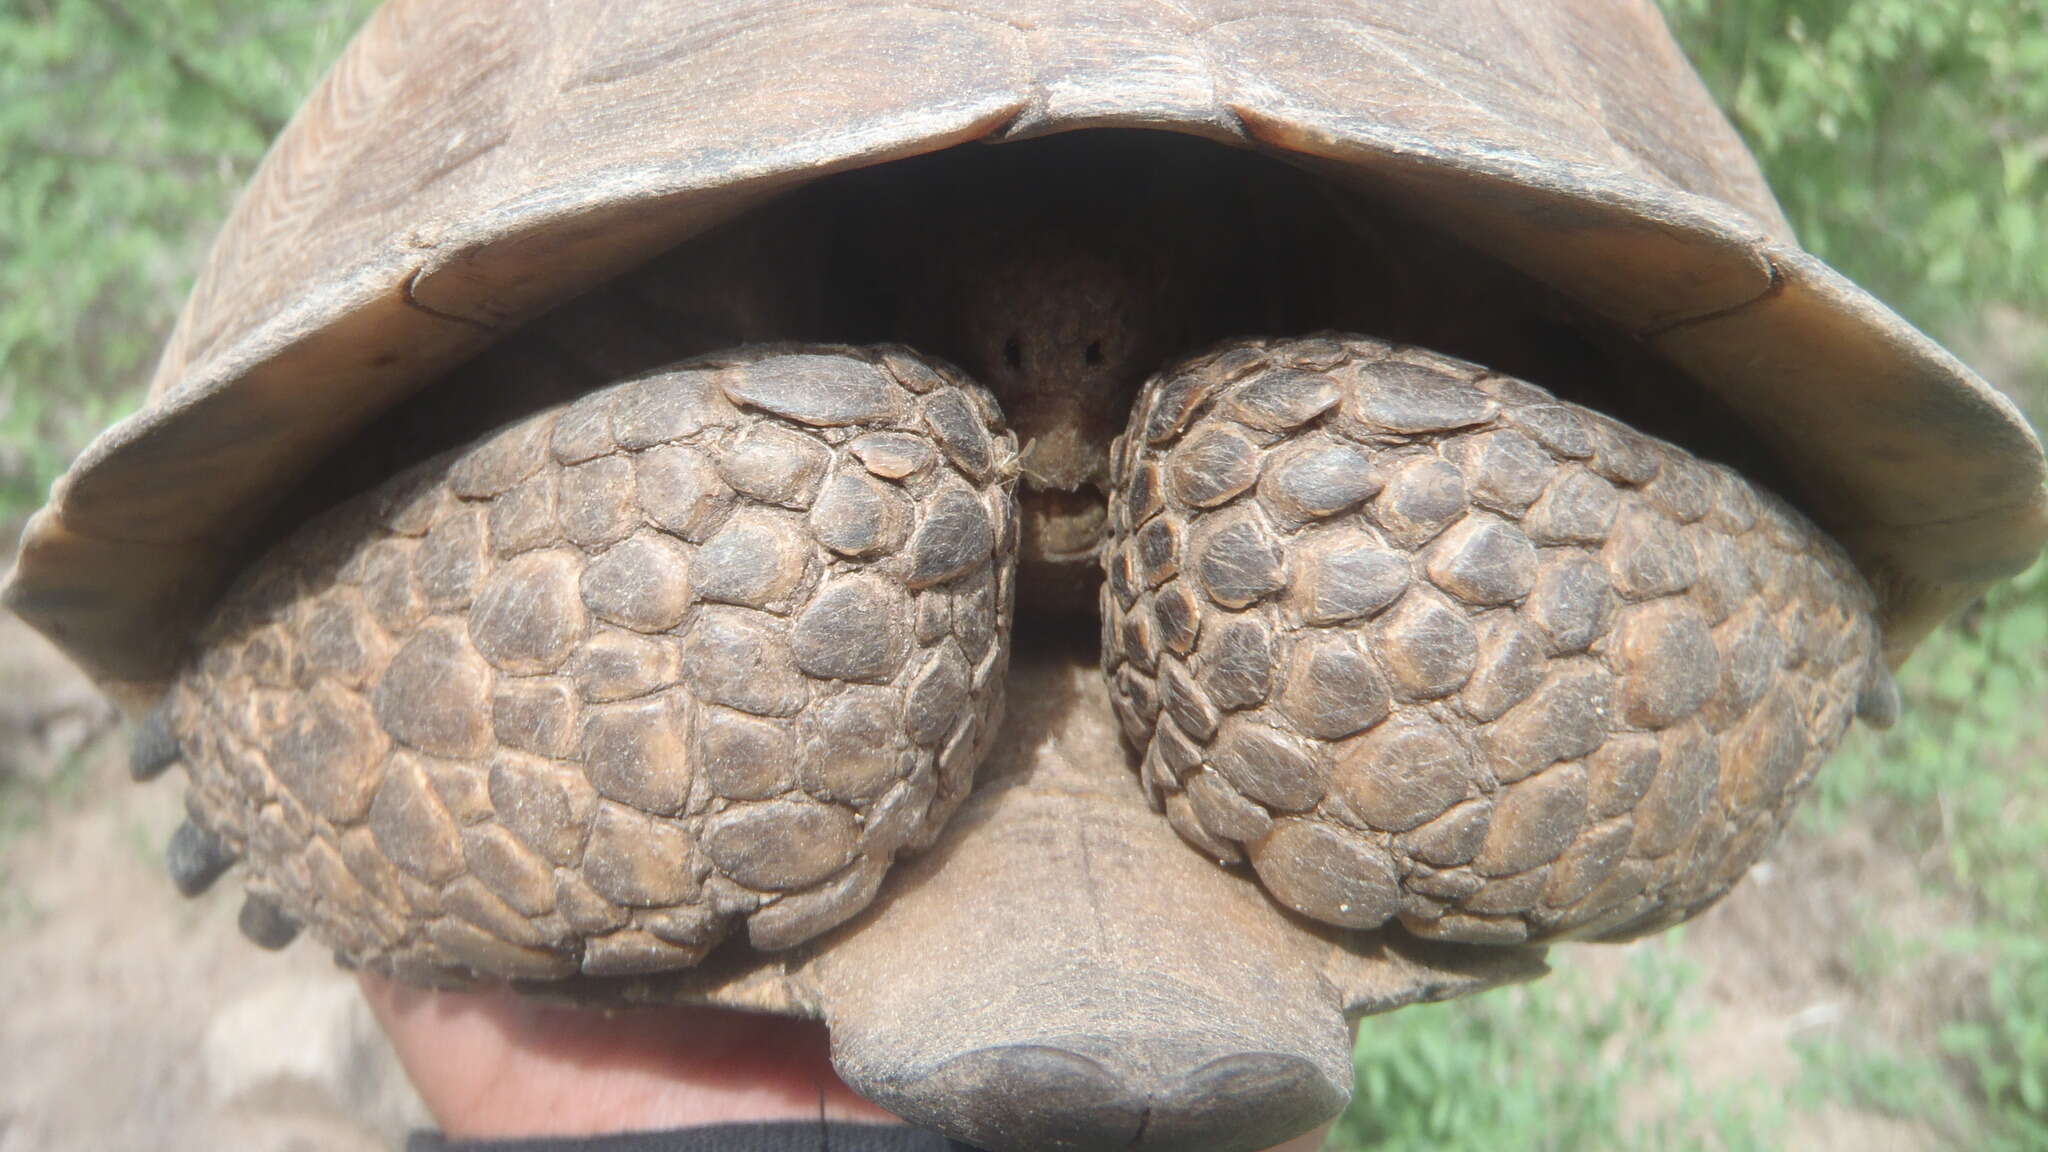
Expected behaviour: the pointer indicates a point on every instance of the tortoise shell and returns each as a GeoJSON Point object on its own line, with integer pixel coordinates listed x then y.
{"type": "Point", "coordinates": [466, 166]}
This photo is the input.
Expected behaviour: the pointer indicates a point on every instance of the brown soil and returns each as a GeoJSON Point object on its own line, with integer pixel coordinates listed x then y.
{"type": "Point", "coordinates": [136, 1020]}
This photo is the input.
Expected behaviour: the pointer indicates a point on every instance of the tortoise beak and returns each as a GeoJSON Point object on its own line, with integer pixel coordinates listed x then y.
{"type": "Point", "coordinates": [1061, 971]}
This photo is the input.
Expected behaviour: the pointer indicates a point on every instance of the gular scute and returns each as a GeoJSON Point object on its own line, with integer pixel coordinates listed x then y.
{"type": "Point", "coordinates": [1537, 675]}
{"type": "Point", "coordinates": [603, 730]}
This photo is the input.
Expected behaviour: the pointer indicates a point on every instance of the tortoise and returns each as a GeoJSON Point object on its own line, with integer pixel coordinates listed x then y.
{"type": "Point", "coordinates": [575, 532]}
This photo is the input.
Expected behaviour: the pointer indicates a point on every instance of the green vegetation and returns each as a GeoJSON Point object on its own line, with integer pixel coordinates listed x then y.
{"type": "Point", "coordinates": [1557, 1064]}
{"type": "Point", "coordinates": [1908, 141]}
{"type": "Point", "coordinates": [125, 128]}
{"type": "Point", "coordinates": [1959, 785]}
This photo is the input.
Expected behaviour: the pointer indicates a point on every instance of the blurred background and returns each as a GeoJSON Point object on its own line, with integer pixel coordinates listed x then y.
{"type": "Point", "coordinates": [1880, 982]}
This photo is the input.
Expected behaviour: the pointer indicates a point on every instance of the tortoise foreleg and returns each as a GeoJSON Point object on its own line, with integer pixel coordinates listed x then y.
{"type": "Point", "coordinates": [1424, 642]}
{"type": "Point", "coordinates": [699, 651]}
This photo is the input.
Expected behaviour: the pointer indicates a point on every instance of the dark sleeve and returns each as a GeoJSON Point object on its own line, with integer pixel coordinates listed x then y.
{"type": "Point", "coordinates": [780, 1136]}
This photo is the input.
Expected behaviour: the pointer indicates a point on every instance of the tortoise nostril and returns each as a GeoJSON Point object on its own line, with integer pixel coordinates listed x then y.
{"type": "Point", "coordinates": [1094, 353]}
{"type": "Point", "coordinates": [1013, 353]}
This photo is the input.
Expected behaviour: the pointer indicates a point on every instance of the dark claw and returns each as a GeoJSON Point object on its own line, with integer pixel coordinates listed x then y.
{"type": "Point", "coordinates": [265, 924]}
{"type": "Point", "coordinates": [196, 858]}
{"type": "Point", "coordinates": [156, 746]}
{"type": "Point", "coordinates": [1878, 705]}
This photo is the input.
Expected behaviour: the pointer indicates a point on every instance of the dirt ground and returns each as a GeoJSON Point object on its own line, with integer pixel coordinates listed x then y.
{"type": "Point", "coordinates": [136, 1020]}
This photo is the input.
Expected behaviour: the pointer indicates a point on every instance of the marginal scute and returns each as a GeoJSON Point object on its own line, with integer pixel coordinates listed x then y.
{"type": "Point", "coordinates": [1543, 677]}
